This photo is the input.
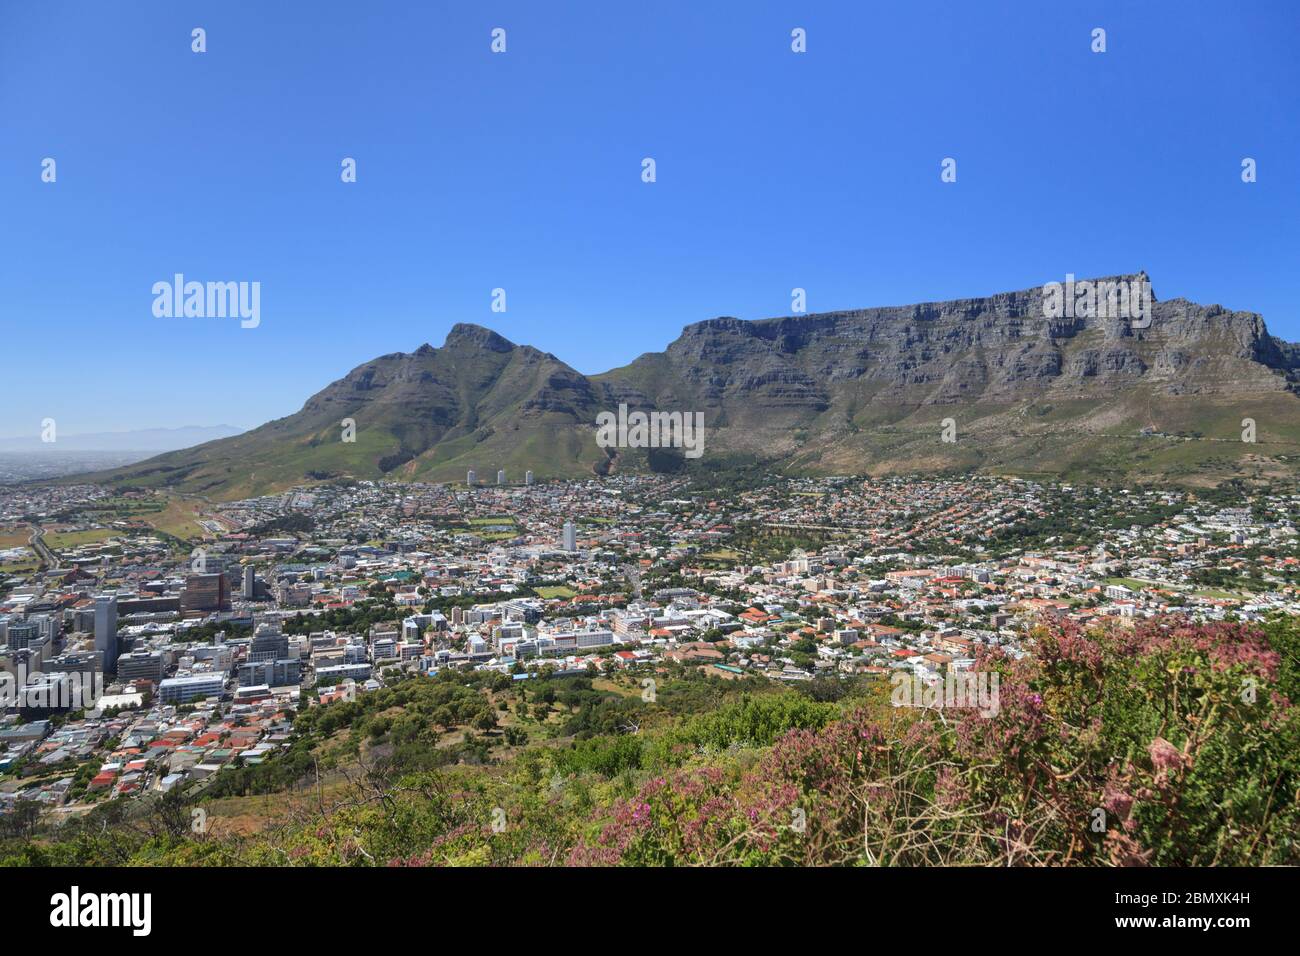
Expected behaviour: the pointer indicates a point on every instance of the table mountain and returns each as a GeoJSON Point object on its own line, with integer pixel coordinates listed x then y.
{"type": "Point", "coordinates": [864, 391]}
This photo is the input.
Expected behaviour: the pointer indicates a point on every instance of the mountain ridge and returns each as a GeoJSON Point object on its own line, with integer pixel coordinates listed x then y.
{"type": "Point", "coordinates": [849, 391]}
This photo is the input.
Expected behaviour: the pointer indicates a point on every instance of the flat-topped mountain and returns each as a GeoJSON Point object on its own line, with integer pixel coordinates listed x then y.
{"type": "Point", "coordinates": [864, 391]}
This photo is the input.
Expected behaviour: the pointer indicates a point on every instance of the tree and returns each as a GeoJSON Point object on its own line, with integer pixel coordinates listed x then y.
{"type": "Point", "coordinates": [22, 820]}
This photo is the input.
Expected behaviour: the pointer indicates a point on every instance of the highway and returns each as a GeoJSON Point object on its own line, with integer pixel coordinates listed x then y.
{"type": "Point", "coordinates": [48, 558]}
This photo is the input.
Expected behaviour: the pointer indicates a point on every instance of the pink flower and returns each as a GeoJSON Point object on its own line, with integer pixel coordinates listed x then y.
{"type": "Point", "coordinates": [1165, 756]}
{"type": "Point", "coordinates": [1117, 802]}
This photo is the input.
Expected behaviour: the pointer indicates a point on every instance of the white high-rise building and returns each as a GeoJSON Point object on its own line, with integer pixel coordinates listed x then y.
{"type": "Point", "coordinates": [501, 477]}
{"type": "Point", "coordinates": [528, 477]}
{"type": "Point", "coordinates": [570, 536]}
{"type": "Point", "coordinates": [470, 478]}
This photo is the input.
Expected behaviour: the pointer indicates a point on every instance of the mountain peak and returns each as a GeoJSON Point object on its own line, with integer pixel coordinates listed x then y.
{"type": "Point", "coordinates": [467, 334]}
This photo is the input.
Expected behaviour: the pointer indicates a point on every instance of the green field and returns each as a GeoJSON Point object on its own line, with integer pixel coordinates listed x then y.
{"type": "Point", "coordinates": [721, 554]}
{"type": "Point", "coordinates": [1133, 584]}
{"type": "Point", "coordinates": [75, 539]}
{"type": "Point", "coordinates": [555, 591]}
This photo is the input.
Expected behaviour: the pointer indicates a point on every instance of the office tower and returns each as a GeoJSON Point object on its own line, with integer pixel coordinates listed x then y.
{"type": "Point", "coordinates": [570, 536]}
{"type": "Point", "coordinates": [250, 583]}
{"type": "Point", "coordinates": [106, 631]}
{"type": "Point", "coordinates": [205, 592]}
{"type": "Point", "coordinates": [471, 478]}
{"type": "Point", "coordinates": [528, 477]}
{"type": "Point", "coordinates": [501, 477]}
{"type": "Point", "coordinates": [21, 634]}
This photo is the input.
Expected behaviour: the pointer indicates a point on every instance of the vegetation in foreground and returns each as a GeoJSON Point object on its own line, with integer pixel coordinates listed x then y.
{"type": "Point", "coordinates": [1171, 744]}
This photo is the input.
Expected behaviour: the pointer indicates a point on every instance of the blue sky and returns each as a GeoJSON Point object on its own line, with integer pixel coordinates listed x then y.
{"type": "Point", "coordinates": [522, 171]}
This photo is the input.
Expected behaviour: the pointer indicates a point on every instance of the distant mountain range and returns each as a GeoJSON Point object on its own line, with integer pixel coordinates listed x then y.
{"type": "Point", "coordinates": [140, 440]}
{"type": "Point", "coordinates": [870, 391]}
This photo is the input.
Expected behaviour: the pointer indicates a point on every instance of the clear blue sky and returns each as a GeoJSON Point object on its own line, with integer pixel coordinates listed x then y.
{"type": "Point", "coordinates": [522, 171]}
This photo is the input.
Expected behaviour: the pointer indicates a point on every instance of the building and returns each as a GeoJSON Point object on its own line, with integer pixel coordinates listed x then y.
{"type": "Point", "coordinates": [73, 663]}
{"type": "Point", "coordinates": [269, 644]}
{"type": "Point", "coordinates": [47, 627]}
{"type": "Point", "coordinates": [148, 605]}
{"type": "Point", "coordinates": [249, 590]}
{"type": "Point", "coordinates": [252, 693]}
{"type": "Point", "coordinates": [338, 672]}
{"type": "Point", "coordinates": [501, 477]}
{"type": "Point", "coordinates": [141, 665]}
{"type": "Point", "coordinates": [19, 634]}
{"type": "Point", "coordinates": [570, 536]}
{"type": "Point", "coordinates": [528, 477]}
{"type": "Point", "coordinates": [569, 642]}
{"type": "Point", "coordinates": [470, 478]}
{"type": "Point", "coordinates": [106, 631]}
{"type": "Point", "coordinates": [289, 594]}
{"type": "Point", "coordinates": [205, 592]}
{"type": "Point", "coordinates": [183, 690]}
{"type": "Point", "coordinates": [271, 673]}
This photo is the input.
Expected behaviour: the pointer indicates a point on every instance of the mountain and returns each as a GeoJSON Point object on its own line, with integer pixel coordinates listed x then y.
{"type": "Point", "coordinates": [479, 400]}
{"type": "Point", "coordinates": [866, 391]}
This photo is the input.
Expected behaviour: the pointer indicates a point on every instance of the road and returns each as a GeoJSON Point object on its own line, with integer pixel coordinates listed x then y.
{"type": "Point", "coordinates": [48, 558]}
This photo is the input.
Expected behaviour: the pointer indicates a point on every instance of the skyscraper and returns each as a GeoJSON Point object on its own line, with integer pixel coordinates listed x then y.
{"type": "Point", "coordinates": [106, 631]}
{"type": "Point", "coordinates": [570, 536]}
{"type": "Point", "coordinates": [528, 477]}
{"type": "Point", "coordinates": [250, 583]}
{"type": "Point", "coordinates": [501, 477]}
{"type": "Point", "coordinates": [470, 478]}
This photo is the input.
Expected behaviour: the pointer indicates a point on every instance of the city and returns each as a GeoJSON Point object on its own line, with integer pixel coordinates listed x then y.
{"type": "Point", "coordinates": [197, 660]}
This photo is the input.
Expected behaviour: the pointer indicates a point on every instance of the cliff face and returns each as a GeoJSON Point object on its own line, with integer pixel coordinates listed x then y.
{"type": "Point", "coordinates": [851, 391]}
{"type": "Point", "coordinates": [996, 349]}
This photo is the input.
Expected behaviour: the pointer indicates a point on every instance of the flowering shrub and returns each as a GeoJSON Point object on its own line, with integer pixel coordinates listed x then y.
{"type": "Point", "coordinates": [1162, 745]}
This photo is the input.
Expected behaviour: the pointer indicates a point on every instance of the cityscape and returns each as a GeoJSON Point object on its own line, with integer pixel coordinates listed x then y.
{"type": "Point", "coordinates": [457, 442]}
{"type": "Point", "coordinates": [143, 672]}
